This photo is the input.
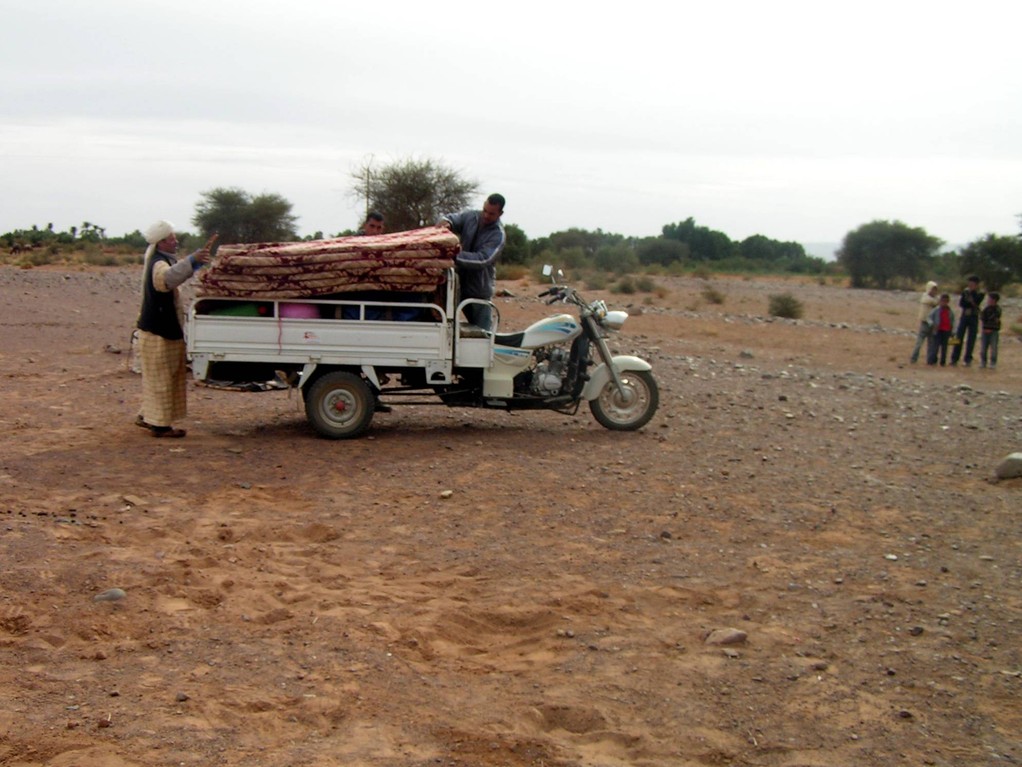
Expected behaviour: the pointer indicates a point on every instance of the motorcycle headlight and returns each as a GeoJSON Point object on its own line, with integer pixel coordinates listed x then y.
{"type": "Point", "coordinates": [614, 320]}
{"type": "Point", "coordinates": [599, 309]}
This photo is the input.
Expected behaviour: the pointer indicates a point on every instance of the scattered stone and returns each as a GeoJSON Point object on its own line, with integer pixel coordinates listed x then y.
{"type": "Point", "coordinates": [726, 637]}
{"type": "Point", "coordinates": [181, 697]}
{"type": "Point", "coordinates": [916, 630]}
{"type": "Point", "coordinates": [132, 500]}
{"type": "Point", "coordinates": [110, 595]}
{"type": "Point", "coordinates": [446, 494]}
{"type": "Point", "coordinates": [1010, 467]}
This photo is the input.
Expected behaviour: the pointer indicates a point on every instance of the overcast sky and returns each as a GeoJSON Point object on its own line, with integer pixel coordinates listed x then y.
{"type": "Point", "coordinates": [796, 120]}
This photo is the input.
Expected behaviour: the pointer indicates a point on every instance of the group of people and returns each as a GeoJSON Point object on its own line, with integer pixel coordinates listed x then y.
{"type": "Point", "coordinates": [161, 343]}
{"type": "Point", "coordinates": [937, 326]}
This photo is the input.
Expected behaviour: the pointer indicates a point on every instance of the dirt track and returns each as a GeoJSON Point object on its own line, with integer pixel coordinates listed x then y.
{"type": "Point", "coordinates": [295, 601]}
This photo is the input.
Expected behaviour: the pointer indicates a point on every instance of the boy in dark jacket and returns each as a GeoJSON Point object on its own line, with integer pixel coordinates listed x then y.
{"type": "Point", "coordinates": [990, 322]}
{"type": "Point", "coordinates": [972, 298]}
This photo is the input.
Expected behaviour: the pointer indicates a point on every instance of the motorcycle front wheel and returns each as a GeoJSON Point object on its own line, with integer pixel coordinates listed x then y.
{"type": "Point", "coordinates": [631, 408]}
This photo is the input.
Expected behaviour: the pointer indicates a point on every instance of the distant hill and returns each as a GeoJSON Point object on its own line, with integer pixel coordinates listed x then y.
{"type": "Point", "coordinates": [825, 250]}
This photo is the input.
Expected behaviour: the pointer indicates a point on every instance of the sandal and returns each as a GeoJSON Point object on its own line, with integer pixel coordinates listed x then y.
{"type": "Point", "coordinates": [140, 422]}
{"type": "Point", "coordinates": [161, 432]}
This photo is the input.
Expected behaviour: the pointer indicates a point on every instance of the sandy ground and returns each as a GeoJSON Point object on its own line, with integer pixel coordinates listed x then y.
{"type": "Point", "coordinates": [295, 601]}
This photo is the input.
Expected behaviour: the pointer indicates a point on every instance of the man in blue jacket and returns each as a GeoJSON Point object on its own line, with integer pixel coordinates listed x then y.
{"type": "Point", "coordinates": [482, 239]}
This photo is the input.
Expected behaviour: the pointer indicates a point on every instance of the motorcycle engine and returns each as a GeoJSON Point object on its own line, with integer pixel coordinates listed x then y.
{"type": "Point", "coordinates": [548, 376]}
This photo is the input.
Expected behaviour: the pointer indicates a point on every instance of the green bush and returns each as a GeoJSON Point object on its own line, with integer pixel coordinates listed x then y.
{"type": "Point", "coordinates": [596, 281]}
{"type": "Point", "coordinates": [786, 305]}
{"type": "Point", "coordinates": [625, 285]}
{"type": "Point", "coordinates": [646, 284]}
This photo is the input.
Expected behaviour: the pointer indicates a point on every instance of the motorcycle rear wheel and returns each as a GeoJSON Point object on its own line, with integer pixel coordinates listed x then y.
{"type": "Point", "coordinates": [632, 409]}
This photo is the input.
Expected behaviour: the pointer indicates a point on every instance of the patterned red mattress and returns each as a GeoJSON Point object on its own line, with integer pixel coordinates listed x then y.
{"type": "Point", "coordinates": [412, 261]}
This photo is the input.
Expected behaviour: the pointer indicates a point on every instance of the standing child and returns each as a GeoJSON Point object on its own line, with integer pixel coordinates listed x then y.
{"type": "Point", "coordinates": [990, 320]}
{"type": "Point", "coordinates": [942, 320]}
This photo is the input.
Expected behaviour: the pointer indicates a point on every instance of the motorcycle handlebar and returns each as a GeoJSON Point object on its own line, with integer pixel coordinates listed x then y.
{"type": "Point", "coordinates": [558, 293]}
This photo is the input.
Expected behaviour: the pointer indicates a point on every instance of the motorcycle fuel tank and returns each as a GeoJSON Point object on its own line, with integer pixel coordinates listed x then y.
{"type": "Point", "coordinates": [552, 330]}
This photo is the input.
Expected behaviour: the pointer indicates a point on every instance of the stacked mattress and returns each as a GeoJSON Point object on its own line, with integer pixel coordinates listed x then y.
{"type": "Point", "coordinates": [413, 261]}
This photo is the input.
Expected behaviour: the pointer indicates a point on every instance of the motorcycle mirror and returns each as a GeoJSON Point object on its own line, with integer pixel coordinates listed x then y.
{"type": "Point", "coordinates": [547, 270]}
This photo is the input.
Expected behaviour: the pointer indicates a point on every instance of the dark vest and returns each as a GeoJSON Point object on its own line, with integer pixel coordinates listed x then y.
{"type": "Point", "coordinates": [159, 314]}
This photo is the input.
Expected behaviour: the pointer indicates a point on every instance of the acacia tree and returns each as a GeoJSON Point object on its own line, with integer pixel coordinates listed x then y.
{"type": "Point", "coordinates": [411, 193]}
{"type": "Point", "coordinates": [880, 252]}
{"type": "Point", "coordinates": [704, 244]}
{"type": "Point", "coordinates": [238, 217]}
{"type": "Point", "coordinates": [995, 259]}
{"type": "Point", "coordinates": [517, 248]}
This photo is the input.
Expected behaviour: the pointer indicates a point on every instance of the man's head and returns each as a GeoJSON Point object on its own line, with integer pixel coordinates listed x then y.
{"type": "Point", "coordinates": [993, 297]}
{"type": "Point", "coordinates": [945, 298]}
{"type": "Point", "coordinates": [493, 208]}
{"type": "Point", "coordinates": [161, 234]}
{"type": "Point", "coordinates": [373, 223]}
{"type": "Point", "coordinates": [973, 282]}
{"type": "Point", "coordinates": [931, 288]}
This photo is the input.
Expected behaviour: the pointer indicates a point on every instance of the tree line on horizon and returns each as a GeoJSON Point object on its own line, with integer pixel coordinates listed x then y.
{"type": "Point", "coordinates": [412, 193]}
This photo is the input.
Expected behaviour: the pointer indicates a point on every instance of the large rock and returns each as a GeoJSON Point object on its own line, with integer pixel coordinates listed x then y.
{"type": "Point", "coordinates": [1010, 467]}
{"type": "Point", "coordinates": [726, 636]}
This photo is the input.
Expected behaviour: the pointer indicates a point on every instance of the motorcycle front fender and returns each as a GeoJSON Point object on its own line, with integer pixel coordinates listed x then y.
{"type": "Point", "coordinates": [601, 374]}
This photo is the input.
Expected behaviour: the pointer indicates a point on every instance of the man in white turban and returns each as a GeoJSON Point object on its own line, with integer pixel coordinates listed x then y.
{"type": "Point", "coordinates": [161, 337]}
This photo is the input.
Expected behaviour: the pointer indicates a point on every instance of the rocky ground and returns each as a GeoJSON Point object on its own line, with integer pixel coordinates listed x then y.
{"type": "Point", "coordinates": [475, 588]}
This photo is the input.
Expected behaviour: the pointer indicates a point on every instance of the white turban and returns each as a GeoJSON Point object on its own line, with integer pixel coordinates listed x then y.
{"type": "Point", "coordinates": [161, 230]}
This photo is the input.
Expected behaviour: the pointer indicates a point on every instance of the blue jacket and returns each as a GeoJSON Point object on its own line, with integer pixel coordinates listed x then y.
{"type": "Point", "coordinates": [480, 247]}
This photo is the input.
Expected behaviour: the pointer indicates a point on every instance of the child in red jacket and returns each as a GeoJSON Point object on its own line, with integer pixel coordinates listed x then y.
{"type": "Point", "coordinates": [942, 322]}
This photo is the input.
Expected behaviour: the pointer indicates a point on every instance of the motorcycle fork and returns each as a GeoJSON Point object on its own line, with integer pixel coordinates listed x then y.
{"type": "Point", "coordinates": [601, 344]}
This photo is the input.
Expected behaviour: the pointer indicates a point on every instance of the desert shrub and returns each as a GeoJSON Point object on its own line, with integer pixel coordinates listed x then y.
{"type": "Point", "coordinates": [596, 281]}
{"type": "Point", "coordinates": [712, 295]}
{"type": "Point", "coordinates": [645, 284]}
{"type": "Point", "coordinates": [785, 305]}
{"type": "Point", "coordinates": [702, 272]}
{"type": "Point", "coordinates": [661, 292]}
{"type": "Point", "coordinates": [512, 271]}
{"type": "Point", "coordinates": [625, 285]}
{"type": "Point", "coordinates": [100, 258]}
{"type": "Point", "coordinates": [39, 257]}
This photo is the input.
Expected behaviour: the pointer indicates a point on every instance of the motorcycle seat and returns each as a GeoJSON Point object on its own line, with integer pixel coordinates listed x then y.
{"type": "Point", "coordinates": [513, 340]}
